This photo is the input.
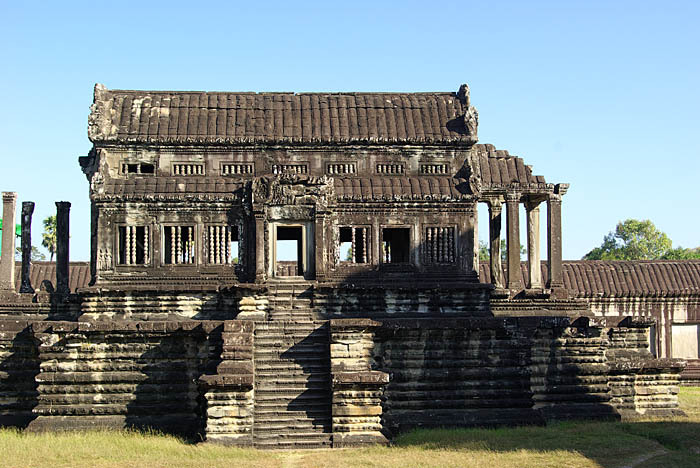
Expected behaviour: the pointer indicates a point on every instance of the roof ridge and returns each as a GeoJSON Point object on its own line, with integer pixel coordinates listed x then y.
{"type": "Point", "coordinates": [285, 93]}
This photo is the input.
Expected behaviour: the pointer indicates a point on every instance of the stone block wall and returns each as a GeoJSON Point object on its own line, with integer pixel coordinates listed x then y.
{"type": "Point", "coordinates": [569, 372]}
{"type": "Point", "coordinates": [361, 302]}
{"type": "Point", "coordinates": [228, 389]}
{"type": "Point", "coordinates": [485, 372]}
{"type": "Point", "coordinates": [641, 386]}
{"type": "Point", "coordinates": [198, 377]}
{"type": "Point", "coordinates": [357, 389]}
{"type": "Point", "coordinates": [157, 305]}
{"type": "Point", "coordinates": [121, 374]}
{"type": "Point", "coordinates": [19, 365]}
{"type": "Point", "coordinates": [460, 372]}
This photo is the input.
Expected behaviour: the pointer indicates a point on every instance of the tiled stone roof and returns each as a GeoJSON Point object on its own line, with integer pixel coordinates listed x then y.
{"type": "Point", "coordinates": [404, 188]}
{"type": "Point", "coordinates": [79, 274]}
{"type": "Point", "coordinates": [499, 168]}
{"type": "Point", "coordinates": [642, 278]}
{"type": "Point", "coordinates": [147, 185]}
{"type": "Point", "coordinates": [180, 117]}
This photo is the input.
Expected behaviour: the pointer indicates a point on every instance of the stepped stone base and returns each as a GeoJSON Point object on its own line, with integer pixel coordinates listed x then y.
{"type": "Point", "coordinates": [283, 375]}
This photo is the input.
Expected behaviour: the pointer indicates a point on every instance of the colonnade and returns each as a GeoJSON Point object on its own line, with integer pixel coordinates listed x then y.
{"type": "Point", "coordinates": [533, 282]}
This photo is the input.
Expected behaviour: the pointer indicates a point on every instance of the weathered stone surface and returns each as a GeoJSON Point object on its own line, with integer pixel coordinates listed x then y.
{"type": "Point", "coordinates": [189, 322]}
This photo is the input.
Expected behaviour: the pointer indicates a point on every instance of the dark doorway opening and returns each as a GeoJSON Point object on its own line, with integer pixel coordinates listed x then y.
{"type": "Point", "coordinates": [396, 245]}
{"type": "Point", "coordinates": [289, 251]}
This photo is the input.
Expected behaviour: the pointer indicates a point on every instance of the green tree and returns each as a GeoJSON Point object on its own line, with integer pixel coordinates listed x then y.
{"type": "Point", "coordinates": [632, 240]}
{"type": "Point", "coordinates": [37, 256]}
{"type": "Point", "coordinates": [48, 238]}
{"type": "Point", "coordinates": [680, 253]}
{"type": "Point", "coordinates": [485, 255]}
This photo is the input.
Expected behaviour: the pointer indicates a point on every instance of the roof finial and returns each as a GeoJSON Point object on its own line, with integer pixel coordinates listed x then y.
{"type": "Point", "coordinates": [463, 94]}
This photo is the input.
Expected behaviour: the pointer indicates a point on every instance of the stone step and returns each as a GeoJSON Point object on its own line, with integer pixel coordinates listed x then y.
{"type": "Point", "coordinates": [297, 442]}
{"type": "Point", "coordinates": [311, 399]}
{"type": "Point", "coordinates": [306, 364]}
{"type": "Point", "coordinates": [289, 345]}
{"type": "Point", "coordinates": [292, 412]}
{"type": "Point", "coordinates": [292, 325]}
{"type": "Point", "coordinates": [288, 317]}
{"type": "Point", "coordinates": [286, 379]}
{"type": "Point", "coordinates": [294, 426]}
{"type": "Point", "coordinates": [284, 365]}
{"type": "Point", "coordinates": [263, 339]}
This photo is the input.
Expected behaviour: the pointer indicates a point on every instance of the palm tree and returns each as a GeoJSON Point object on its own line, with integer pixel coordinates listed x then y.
{"type": "Point", "coordinates": [48, 238]}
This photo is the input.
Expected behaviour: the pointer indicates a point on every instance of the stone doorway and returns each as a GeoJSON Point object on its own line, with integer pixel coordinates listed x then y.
{"type": "Point", "coordinates": [289, 250]}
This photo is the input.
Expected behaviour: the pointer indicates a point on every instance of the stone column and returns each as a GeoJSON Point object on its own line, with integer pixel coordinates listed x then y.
{"type": "Point", "coordinates": [533, 246]}
{"type": "Point", "coordinates": [27, 211]}
{"type": "Point", "coordinates": [7, 260]}
{"type": "Point", "coordinates": [495, 207]}
{"type": "Point", "coordinates": [556, 279]}
{"type": "Point", "coordinates": [513, 242]}
{"type": "Point", "coordinates": [320, 245]}
{"type": "Point", "coordinates": [259, 247]}
{"type": "Point", "coordinates": [62, 242]}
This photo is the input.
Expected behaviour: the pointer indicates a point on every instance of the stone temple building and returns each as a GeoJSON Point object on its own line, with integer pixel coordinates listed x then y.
{"type": "Point", "coordinates": [302, 270]}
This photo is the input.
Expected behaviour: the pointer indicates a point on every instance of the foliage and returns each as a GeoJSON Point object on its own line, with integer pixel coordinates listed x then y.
{"type": "Point", "coordinates": [37, 256]}
{"type": "Point", "coordinates": [48, 238]}
{"type": "Point", "coordinates": [632, 240]}
{"type": "Point", "coordinates": [485, 255]}
{"type": "Point", "coordinates": [680, 253]}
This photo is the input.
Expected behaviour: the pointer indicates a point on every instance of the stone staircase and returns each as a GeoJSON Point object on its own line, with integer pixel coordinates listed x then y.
{"type": "Point", "coordinates": [290, 300]}
{"type": "Point", "coordinates": [292, 374]}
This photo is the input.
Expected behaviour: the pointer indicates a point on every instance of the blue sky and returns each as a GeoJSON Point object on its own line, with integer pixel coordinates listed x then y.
{"type": "Point", "coordinates": [602, 95]}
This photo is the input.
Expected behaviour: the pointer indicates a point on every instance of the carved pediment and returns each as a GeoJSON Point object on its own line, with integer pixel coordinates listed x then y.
{"type": "Point", "coordinates": [292, 190]}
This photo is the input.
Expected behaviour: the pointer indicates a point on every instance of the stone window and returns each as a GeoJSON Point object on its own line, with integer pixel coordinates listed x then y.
{"type": "Point", "coordinates": [221, 245]}
{"type": "Point", "coordinates": [290, 168]}
{"type": "Point", "coordinates": [233, 169]}
{"type": "Point", "coordinates": [178, 245]}
{"type": "Point", "coordinates": [138, 168]}
{"type": "Point", "coordinates": [396, 245]}
{"type": "Point", "coordinates": [340, 168]}
{"type": "Point", "coordinates": [133, 246]}
{"type": "Point", "coordinates": [439, 244]}
{"type": "Point", "coordinates": [391, 169]}
{"type": "Point", "coordinates": [188, 169]}
{"type": "Point", "coordinates": [353, 244]}
{"type": "Point", "coordinates": [434, 168]}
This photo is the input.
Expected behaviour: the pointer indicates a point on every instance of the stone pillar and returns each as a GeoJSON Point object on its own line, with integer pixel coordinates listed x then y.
{"type": "Point", "coordinates": [27, 211]}
{"type": "Point", "coordinates": [533, 246]}
{"type": "Point", "coordinates": [320, 245]}
{"type": "Point", "coordinates": [513, 243]}
{"type": "Point", "coordinates": [7, 260]}
{"type": "Point", "coordinates": [495, 207]}
{"type": "Point", "coordinates": [554, 243]}
{"type": "Point", "coordinates": [259, 247]}
{"type": "Point", "coordinates": [62, 243]}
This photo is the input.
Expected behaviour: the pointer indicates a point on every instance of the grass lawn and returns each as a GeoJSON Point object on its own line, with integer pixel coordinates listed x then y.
{"type": "Point", "coordinates": [644, 444]}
